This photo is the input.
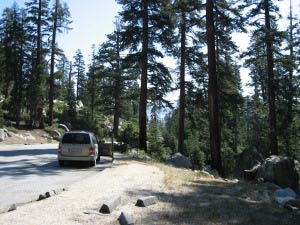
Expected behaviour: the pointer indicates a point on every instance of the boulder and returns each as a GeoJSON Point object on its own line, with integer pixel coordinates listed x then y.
{"type": "Point", "coordinates": [247, 160]}
{"type": "Point", "coordinates": [285, 196]}
{"type": "Point", "coordinates": [285, 192]}
{"type": "Point", "coordinates": [179, 160]}
{"type": "Point", "coordinates": [55, 133]}
{"type": "Point", "coordinates": [3, 135]}
{"type": "Point", "coordinates": [64, 127]}
{"type": "Point", "coordinates": [281, 171]}
{"type": "Point", "coordinates": [250, 174]}
{"type": "Point", "coordinates": [5, 130]}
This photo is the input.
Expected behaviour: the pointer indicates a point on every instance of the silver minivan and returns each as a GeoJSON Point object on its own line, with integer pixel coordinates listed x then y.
{"type": "Point", "coordinates": [78, 146]}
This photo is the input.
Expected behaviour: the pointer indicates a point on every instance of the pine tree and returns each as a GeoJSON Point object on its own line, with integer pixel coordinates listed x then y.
{"type": "Point", "coordinates": [141, 31]}
{"type": "Point", "coordinates": [38, 19]}
{"type": "Point", "coordinates": [267, 25]}
{"type": "Point", "coordinates": [60, 21]}
{"type": "Point", "coordinates": [213, 102]}
{"type": "Point", "coordinates": [188, 13]}
{"type": "Point", "coordinates": [79, 67]}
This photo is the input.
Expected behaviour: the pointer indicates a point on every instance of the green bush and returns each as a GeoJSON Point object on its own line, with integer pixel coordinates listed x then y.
{"type": "Point", "coordinates": [193, 150]}
{"type": "Point", "coordinates": [129, 133]}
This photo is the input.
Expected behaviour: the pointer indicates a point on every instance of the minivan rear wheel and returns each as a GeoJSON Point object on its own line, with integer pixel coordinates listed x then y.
{"type": "Point", "coordinates": [93, 163]}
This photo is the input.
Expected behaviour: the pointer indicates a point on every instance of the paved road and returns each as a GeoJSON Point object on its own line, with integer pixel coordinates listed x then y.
{"type": "Point", "coordinates": [29, 170]}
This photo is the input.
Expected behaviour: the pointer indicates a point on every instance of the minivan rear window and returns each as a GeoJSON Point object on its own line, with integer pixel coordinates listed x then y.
{"type": "Point", "coordinates": [76, 138]}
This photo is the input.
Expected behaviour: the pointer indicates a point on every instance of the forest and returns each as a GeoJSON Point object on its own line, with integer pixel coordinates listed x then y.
{"type": "Point", "coordinates": [122, 92]}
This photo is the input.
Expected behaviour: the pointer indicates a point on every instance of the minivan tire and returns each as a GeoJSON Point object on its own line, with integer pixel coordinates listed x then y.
{"type": "Point", "coordinates": [93, 163]}
{"type": "Point", "coordinates": [61, 162]}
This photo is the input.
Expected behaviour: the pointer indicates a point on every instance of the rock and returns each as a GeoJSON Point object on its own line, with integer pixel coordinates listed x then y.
{"type": "Point", "coordinates": [179, 160]}
{"type": "Point", "coordinates": [3, 135]}
{"type": "Point", "coordinates": [146, 201]}
{"type": "Point", "coordinates": [265, 197]}
{"type": "Point", "coordinates": [250, 174]}
{"type": "Point", "coordinates": [111, 205]}
{"type": "Point", "coordinates": [5, 130]}
{"type": "Point", "coordinates": [271, 186]}
{"type": "Point", "coordinates": [44, 135]}
{"type": "Point", "coordinates": [12, 208]}
{"type": "Point", "coordinates": [260, 180]}
{"type": "Point", "coordinates": [283, 200]}
{"type": "Point", "coordinates": [41, 197]}
{"type": "Point", "coordinates": [55, 133]}
{"type": "Point", "coordinates": [28, 136]}
{"type": "Point", "coordinates": [294, 203]}
{"type": "Point", "coordinates": [286, 192]}
{"type": "Point", "coordinates": [281, 171]}
{"type": "Point", "coordinates": [291, 208]}
{"type": "Point", "coordinates": [48, 194]}
{"type": "Point", "coordinates": [63, 126]}
{"type": "Point", "coordinates": [206, 174]}
{"type": "Point", "coordinates": [247, 160]}
{"type": "Point", "coordinates": [283, 196]}
{"type": "Point", "coordinates": [10, 134]}
{"type": "Point", "coordinates": [125, 219]}
{"type": "Point", "coordinates": [58, 191]}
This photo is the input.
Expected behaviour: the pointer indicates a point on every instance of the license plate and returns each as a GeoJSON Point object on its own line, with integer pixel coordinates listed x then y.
{"type": "Point", "coordinates": [75, 151]}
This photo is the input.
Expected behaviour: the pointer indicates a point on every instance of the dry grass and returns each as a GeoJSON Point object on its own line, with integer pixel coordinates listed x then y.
{"type": "Point", "coordinates": [194, 198]}
{"type": "Point", "coordinates": [178, 178]}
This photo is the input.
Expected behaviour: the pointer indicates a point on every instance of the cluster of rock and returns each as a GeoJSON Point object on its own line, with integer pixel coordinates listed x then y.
{"type": "Point", "coordinates": [278, 173]}
{"type": "Point", "coordinates": [179, 160]}
{"type": "Point", "coordinates": [4, 134]}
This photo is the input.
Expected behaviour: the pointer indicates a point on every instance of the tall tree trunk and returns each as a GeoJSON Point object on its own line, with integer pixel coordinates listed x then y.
{"type": "Point", "coordinates": [53, 52]}
{"type": "Point", "coordinates": [39, 69]}
{"type": "Point", "coordinates": [117, 90]}
{"type": "Point", "coordinates": [20, 84]}
{"type": "Point", "coordinates": [144, 78]}
{"type": "Point", "coordinates": [289, 116]}
{"type": "Point", "coordinates": [78, 78]}
{"type": "Point", "coordinates": [271, 87]}
{"type": "Point", "coordinates": [182, 84]}
{"type": "Point", "coordinates": [213, 104]}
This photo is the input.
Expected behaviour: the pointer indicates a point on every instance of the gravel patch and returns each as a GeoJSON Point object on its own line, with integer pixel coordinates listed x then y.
{"type": "Point", "coordinates": [81, 203]}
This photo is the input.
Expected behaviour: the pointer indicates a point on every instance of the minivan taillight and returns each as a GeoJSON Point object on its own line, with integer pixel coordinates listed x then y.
{"type": "Point", "coordinates": [59, 149]}
{"type": "Point", "coordinates": [91, 151]}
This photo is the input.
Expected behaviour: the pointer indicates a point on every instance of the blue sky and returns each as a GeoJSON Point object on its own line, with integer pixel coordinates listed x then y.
{"type": "Point", "coordinates": [92, 21]}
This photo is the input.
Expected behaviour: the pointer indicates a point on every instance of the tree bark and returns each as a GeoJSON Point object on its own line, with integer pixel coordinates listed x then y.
{"type": "Point", "coordinates": [144, 78]}
{"type": "Point", "coordinates": [271, 94]}
{"type": "Point", "coordinates": [213, 104]}
{"type": "Point", "coordinates": [53, 51]}
{"type": "Point", "coordinates": [39, 70]}
{"type": "Point", "coordinates": [182, 84]}
{"type": "Point", "coordinates": [289, 116]}
{"type": "Point", "coordinates": [117, 90]}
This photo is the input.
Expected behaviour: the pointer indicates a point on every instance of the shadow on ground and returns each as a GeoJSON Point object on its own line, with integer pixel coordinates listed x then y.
{"type": "Point", "coordinates": [212, 202]}
{"type": "Point", "coordinates": [42, 162]}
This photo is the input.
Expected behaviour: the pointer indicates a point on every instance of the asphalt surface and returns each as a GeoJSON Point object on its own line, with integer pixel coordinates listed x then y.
{"type": "Point", "coordinates": [29, 170]}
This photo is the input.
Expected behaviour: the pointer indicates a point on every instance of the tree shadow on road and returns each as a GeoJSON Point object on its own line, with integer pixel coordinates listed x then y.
{"type": "Point", "coordinates": [41, 162]}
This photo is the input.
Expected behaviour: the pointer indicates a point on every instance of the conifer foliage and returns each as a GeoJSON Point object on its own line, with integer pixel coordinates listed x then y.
{"type": "Point", "coordinates": [121, 93]}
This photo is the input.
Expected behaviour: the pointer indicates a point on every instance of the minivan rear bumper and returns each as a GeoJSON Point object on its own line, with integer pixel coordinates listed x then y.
{"type": "Point", "coordinates": [75, 158]}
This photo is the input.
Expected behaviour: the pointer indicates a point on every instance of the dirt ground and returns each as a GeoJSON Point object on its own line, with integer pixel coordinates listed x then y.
{"type": "Point", "coordinates": [28, 136]}
{"type": "Point", "coordinates": [184, 197]}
